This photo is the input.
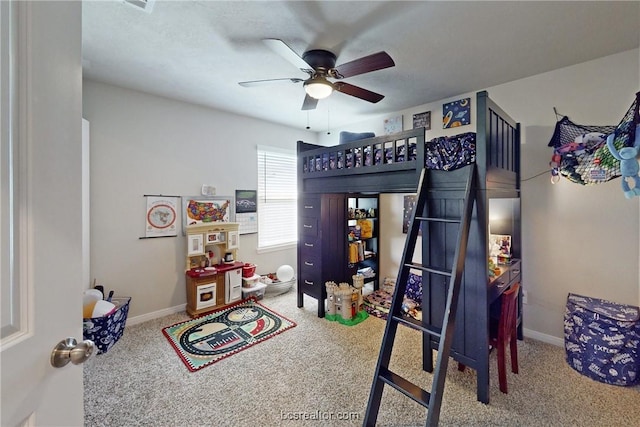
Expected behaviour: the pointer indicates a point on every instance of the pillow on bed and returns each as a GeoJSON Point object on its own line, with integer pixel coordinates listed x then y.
{"type": "Point", "coordinates": [353, 136]}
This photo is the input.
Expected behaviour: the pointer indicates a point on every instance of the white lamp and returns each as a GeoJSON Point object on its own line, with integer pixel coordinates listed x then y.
{"type": "Point", "coordinates": [318, 87]}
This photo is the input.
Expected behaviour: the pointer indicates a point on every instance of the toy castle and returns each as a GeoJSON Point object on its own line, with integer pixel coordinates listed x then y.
{"type": "Point", "coordinates": [344, 302]}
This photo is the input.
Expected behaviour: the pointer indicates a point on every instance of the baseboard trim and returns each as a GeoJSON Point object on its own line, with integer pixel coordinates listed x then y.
{"type": "Point", "coordinates": [549, 339]}
{"type": "Point", "coordinates": [156, 314]}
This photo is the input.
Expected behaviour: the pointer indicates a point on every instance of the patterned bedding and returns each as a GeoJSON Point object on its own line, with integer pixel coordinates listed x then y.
{"type": "Point", "coordinates": [443, 153]}
{"type": "Point", "coordinates": [451, 152]}
{"type": "Point", "coordinates": [378, 302]}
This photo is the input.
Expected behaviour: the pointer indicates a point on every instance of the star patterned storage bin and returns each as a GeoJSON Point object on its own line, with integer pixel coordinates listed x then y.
{"type": "Point", "coordinates": [106, 331]}
{"type": "Point", "coordinates": [602, 338]}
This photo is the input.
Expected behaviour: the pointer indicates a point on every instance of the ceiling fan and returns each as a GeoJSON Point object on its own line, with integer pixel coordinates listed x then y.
{"type": "Point", "coordinates": [321, 65]}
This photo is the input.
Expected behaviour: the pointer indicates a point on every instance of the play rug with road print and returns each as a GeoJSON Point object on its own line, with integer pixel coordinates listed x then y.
{"type": "Point", "coordinates": [205, 340]}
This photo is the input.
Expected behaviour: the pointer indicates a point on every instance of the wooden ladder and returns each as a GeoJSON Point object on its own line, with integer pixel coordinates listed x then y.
{"type": "Point", "coordinates": [430, 400]}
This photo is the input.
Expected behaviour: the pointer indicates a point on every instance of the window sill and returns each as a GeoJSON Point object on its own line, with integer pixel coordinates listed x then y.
{"type": "Point", "coordinates": [276, 248]}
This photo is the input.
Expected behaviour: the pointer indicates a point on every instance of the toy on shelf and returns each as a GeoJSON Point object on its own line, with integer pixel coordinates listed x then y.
{"type": "Point", "coordinates": [494, 270]}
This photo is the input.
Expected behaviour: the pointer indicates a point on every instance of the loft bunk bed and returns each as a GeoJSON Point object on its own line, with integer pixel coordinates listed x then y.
{"type": "Point", "coordinates": [393, 164]}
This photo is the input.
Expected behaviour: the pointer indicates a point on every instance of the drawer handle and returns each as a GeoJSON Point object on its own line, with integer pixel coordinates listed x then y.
{"type": "Point", "coordinates": [308, 206]}
{"type": "Point", "coordinates": [307, 226]}
{"type": "Point", "coordinates": [516, 271]}
{"type": "Point", "coordinates": [309, 245]}
{"type": "Point", "coordinates": [501, 284]}
{"type": "Point", "coordinates": [308, 282]}
{"type": "Point", "coordinates": [308, 263]}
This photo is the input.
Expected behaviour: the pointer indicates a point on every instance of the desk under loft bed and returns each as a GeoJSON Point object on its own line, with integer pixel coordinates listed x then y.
{"type": "Point", "coordinates": [329, 176]}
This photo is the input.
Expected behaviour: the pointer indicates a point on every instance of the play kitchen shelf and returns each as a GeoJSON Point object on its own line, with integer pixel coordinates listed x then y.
{"type": "Point", "coordinates": [211, 244]}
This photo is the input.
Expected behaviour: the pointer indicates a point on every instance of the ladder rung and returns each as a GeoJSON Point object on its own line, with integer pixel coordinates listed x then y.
{"type": "Point", "coordinates": [428, 269]}
{"type": "Point", "coordinates": [405, 387]}
{"type": "Point", "coordinates": [416, 324]}
{"type": "Point", "coordinates": [433, 219]}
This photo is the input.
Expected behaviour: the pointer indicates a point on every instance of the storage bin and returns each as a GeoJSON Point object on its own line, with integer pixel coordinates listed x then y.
{"type": "Point", "coordinates": [106, 331]}
{"type": "Point", "coordinates": [257, 291]}
{"type": "Point", "coordinates": [602, 338]}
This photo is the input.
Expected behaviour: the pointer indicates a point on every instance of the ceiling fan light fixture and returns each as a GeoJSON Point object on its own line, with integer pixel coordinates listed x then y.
{"type": "Point", "coordinates": [318, 88]}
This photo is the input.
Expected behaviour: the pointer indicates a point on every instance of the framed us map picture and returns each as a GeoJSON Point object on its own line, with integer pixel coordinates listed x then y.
{"type": "Point", "coordinates": [199, 210]}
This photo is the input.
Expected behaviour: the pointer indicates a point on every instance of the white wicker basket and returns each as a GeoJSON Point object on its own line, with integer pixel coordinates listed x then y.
{"type": "Point", "coordinates": [277, 288]}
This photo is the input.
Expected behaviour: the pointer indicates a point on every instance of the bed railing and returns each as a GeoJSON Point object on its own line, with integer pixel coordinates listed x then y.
{"type": "Point", "coordinates": [396, 159]}
{"type": "Point", "coordinates": [372, 155]}
{"type": "Point", "coordinates": [392, 163]}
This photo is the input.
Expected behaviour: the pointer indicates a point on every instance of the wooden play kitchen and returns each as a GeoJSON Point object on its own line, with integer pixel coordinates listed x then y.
{"type": "Point", "coordinates": [213, 274]}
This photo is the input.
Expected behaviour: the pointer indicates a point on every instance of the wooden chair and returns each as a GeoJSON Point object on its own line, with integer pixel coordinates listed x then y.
{"type": "Point", "coordinates": [503, 332]}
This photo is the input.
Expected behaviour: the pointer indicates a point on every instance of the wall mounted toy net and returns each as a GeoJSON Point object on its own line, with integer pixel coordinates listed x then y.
{"type": "Point", "coordinates": [580, 151]}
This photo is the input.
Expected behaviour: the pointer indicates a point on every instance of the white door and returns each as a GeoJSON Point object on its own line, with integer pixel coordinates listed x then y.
{"type": "Point", "coordinates": [41, 249]}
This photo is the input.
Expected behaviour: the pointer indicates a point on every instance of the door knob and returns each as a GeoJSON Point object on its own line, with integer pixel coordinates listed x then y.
{"type": "Point", "coordinates": [70, 350]}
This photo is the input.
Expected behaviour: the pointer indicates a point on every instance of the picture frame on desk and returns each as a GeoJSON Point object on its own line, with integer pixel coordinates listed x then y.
{"type": "Point", "coordinates": [500, 247]}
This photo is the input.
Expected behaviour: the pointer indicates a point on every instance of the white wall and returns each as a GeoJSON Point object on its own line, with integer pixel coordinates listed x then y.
{"type": "Point", "coordinates": [143, 144]}
{"type": "Point", "coordinates": [575, 238]}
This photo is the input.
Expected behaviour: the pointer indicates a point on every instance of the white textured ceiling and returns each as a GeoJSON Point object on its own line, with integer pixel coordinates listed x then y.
{"type": "Point", "coordinates": [198, 51]}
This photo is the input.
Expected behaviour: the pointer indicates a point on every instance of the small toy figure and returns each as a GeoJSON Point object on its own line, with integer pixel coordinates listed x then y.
{"type": "Point", "coordinates": [628, 163]}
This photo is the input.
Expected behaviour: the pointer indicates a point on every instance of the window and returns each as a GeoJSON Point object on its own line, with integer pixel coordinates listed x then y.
{"type": "Point", "coordinates": [277, 197]}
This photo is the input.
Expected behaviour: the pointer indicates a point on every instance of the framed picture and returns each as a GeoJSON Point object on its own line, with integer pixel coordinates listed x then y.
{"type": "Point", "coordinates": [393, 125]}
{"type": "Point", "coordinates": [246, 201]}
{"type": "Point", "coordinates": [456, 113]}
{"type": "Point", "coordinates": [233, 240]}
{"type": "Point", "coordinates": [199, 210]}
{"type": "Point", "coordinates": [422, 120]}
{"type": "Point", "coordinates": [162, 216]}
{"type": "Point", "coordinates": [500, 245]}
{"type": "Point", "coordinates": [195, 244]}
{"type": "Point", "coordinates": [214, 238]}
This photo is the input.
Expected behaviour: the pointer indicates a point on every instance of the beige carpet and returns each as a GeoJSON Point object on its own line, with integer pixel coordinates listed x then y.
{"type": "Point", "coordinates": [319, 374]}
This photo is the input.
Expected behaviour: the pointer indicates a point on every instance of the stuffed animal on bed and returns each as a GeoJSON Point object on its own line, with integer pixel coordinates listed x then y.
{"type": "Point", "coordinates": [628, 164]}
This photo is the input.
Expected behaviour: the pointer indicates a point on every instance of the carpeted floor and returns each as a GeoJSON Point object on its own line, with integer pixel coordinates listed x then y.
{"type": "Point", "coordinates": [319, 374]}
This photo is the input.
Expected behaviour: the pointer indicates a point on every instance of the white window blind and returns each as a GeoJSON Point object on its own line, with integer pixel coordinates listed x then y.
{"type": "Point", "coordinates": [277, 197]}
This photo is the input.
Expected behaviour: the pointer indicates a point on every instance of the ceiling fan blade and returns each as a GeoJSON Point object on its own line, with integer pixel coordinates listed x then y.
{"type": "Point", "coordinates": [269, 81]}
{"type": "Point", "coordinates": [366, 64]}
{"type": "Point", "coordinates": [282, 49]}
{"type": "Point", "coordinates": [358, 92]}
{"type": "Point", "coordinates": [309, 103]}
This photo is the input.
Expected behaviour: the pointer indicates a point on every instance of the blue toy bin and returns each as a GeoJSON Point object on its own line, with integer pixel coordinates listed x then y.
{"type": "Point", "coordinates": [106, 331]}
{"type": "Point", "coordinates": [601, 339]}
